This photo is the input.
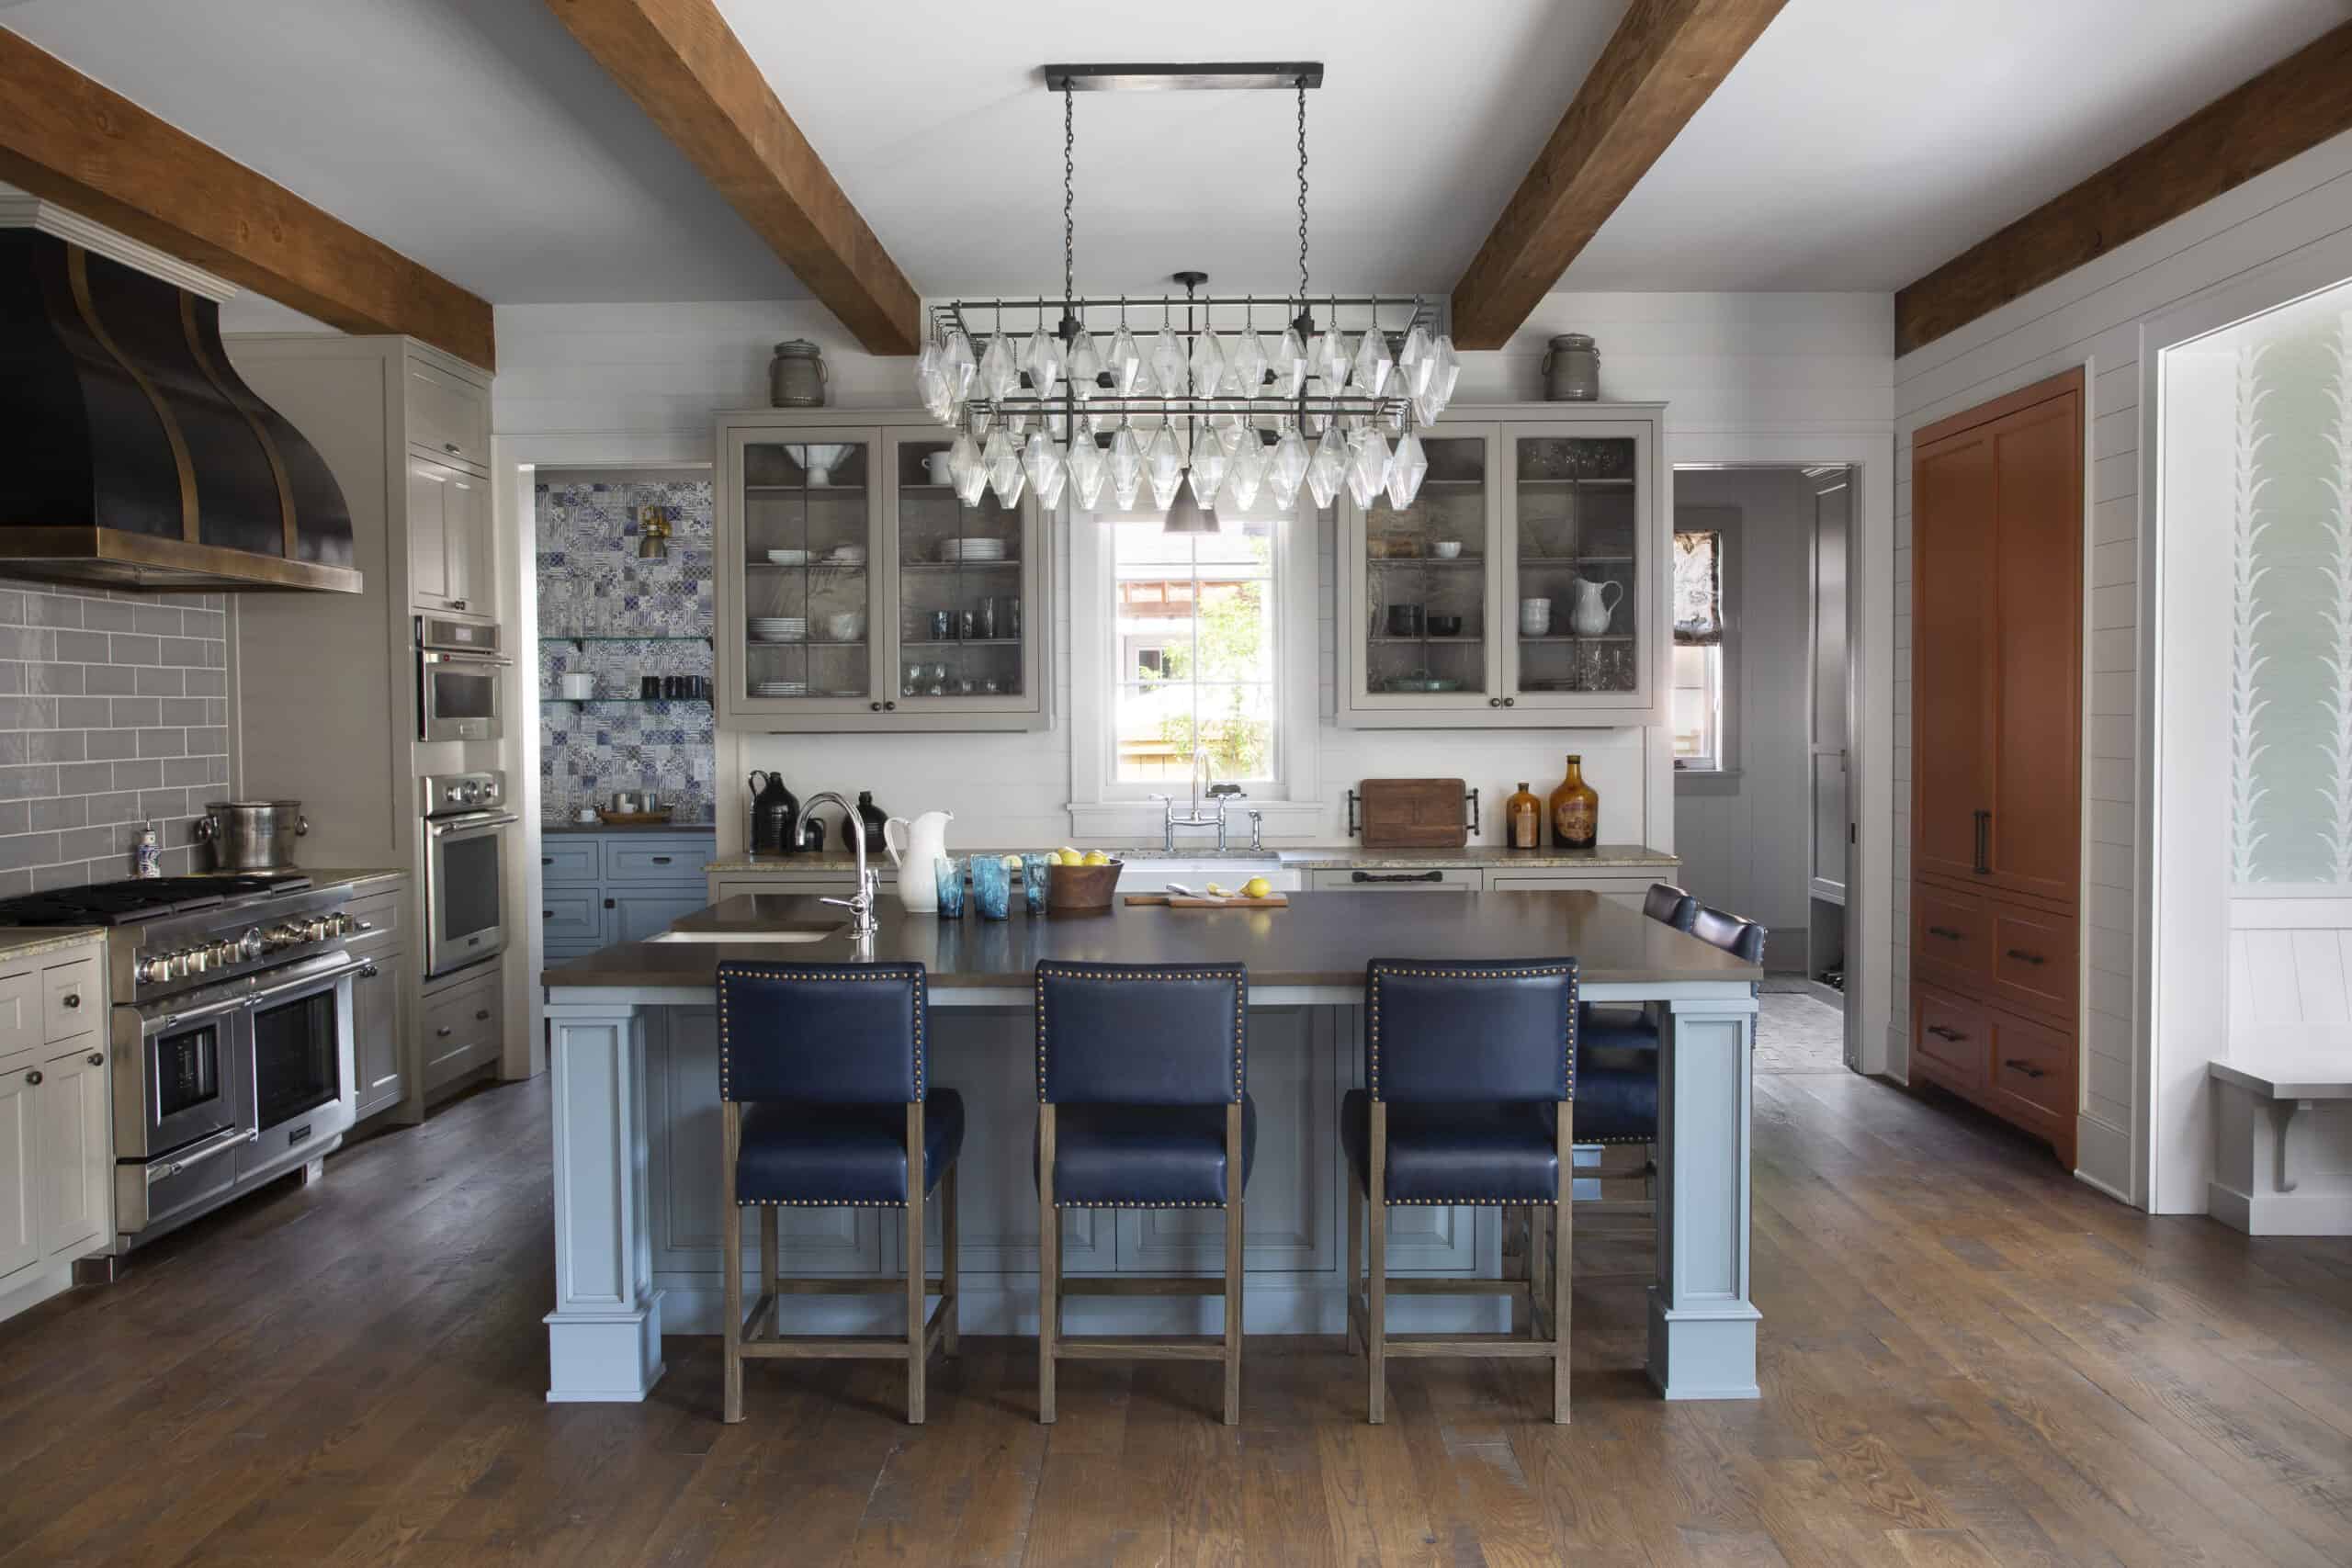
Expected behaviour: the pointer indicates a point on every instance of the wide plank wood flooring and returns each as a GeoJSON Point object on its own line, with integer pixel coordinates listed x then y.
{"type": "Point", "coordinates": [1968, 1359]}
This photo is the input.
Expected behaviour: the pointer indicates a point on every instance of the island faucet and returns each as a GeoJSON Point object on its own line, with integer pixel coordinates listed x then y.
{"type": "Point", "coordinates": [862, 924]}
{"type": "Point", "coordinates": [1195, 817]}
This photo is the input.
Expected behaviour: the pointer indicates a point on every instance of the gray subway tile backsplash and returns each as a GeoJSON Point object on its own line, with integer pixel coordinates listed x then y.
{"type": "Point", "coordinates": [113, 712]}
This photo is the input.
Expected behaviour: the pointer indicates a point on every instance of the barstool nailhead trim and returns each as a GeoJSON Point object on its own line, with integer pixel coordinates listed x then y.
{"type": "Point", "coordinates": [1240, 976]}
{"type": "Point", "coordinates": [734, 972]}
{"type": "Point", "coordinates": [1371, 1000]}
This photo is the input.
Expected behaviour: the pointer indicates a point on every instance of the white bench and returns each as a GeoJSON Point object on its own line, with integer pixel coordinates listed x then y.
{"type": "Point", "coordinates": [2282, 1153]}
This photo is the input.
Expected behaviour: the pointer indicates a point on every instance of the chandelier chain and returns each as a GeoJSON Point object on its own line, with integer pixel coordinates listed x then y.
{"type": "Point", "coordinates": [1069, 176]}
{"type": "Point", "coordinates": [1302, 192]}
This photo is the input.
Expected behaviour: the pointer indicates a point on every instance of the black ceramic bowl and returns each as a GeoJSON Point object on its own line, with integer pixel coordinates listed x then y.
{"type": "Point", "coordinates": [1446, 625]}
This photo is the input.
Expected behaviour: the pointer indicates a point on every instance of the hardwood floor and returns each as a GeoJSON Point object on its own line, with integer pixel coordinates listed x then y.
{"type": "Point", "coordinates": [1968, 1359]}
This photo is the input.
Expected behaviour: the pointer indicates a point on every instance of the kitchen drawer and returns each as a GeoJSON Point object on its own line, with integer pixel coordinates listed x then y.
{"type": "Point", "coordinates": [1950, 1039]}
{"type": "Point", "coordinates": [565, 862]}
{"type": "Point", "coordinates": [2034, 1070]}
{"type": "Point", "coordinates": [661, 860]}
{"type": "Point", "coordinates": [574, 917]}
{"type": "Point", "coordinates": [20, 1020]}
{"type": "Point", "coordinates": [1456, 879]}
{"type": "Point", "coordinates": [463, 1029]}
{"type": "Point", "coordinates": [1949, 938]}
{"type": "Point", "coordinates": [2033, 960]}
{"type": "Point", "coordinates": [375, 918]}
{"type": "Point", "coordinates": [72, 1000]}
{"type": "Point", "coordinates": [447, 415]}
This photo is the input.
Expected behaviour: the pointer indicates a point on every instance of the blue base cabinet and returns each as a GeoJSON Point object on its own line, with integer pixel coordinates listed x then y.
{"type": "Point", "coordinates": [600, 888]}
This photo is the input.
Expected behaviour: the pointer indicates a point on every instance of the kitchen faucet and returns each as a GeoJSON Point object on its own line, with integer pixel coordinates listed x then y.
{"type": "Point", "coordinates": [862, 924]}
{"type": "Point", "coordinates": [1195, 817]}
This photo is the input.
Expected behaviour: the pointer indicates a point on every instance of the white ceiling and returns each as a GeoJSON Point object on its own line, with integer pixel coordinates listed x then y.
{"type": "Point", "coordinates": [472, 135]}
{"type": "Point", "coordinates": [1861, 144]}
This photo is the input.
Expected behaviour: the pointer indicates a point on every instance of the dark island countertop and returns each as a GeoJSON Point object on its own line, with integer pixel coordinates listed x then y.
{"type": "Point", "coordinates": [1291, 857]}
{"type": "Point", "coordinates": [1322, 939]}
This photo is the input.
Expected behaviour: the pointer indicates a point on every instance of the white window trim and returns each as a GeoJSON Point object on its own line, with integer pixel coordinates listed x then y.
{"type": "Point", "coordinates": [1723, 521]}
{"type": "Point", "coordinates": [1097, 810]}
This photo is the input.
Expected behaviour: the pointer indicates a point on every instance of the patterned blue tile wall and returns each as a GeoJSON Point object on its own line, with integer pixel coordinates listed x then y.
{"type": "Point", "coordinates": [626, 611]}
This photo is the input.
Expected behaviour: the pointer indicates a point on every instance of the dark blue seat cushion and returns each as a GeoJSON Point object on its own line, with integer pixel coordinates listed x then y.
{"type": "Point", "coordinates": [1616, 1096]}
{"type": "Point", "coordinates": [793, 1152]}
{"type": "Point", "coordinates": [1453, 1152]}
{"type": "Point", "coordinates": [1602, 1025]}
{"type": "Point", "coordinates": [1146, 1156]}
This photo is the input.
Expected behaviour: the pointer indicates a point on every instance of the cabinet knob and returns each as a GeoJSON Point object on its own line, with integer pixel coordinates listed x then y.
{"type": "Point", "coordinates": [1511, 702]}
{"type": "Point", "coordinates": [448, 447]}
{"type": "Point", "coordinates": [368, 972]}
{"type": "Point", "coordinates": [34, 1077]}
{"type": "Point", "coordinates": [457, 604]}
{"type": "Point", "coordinates": [482, 1017]}
{"type": "Point", "coordinates": [72, 998]}
{"type": "Point", "coordinates": [97, 1058]}
{"type": "Point", "coordinates": [443, 1032]}
{"type": "Point", "coordinates": [873, 707]}
{"type": "Point", "coordinates": [1494, 701]}
{"type": "Point", "coordinates": [609, 903]}
{"type": "Point", "coordinates": [547, 914]}
{"type": "Point", "coordinates": [889, 707]}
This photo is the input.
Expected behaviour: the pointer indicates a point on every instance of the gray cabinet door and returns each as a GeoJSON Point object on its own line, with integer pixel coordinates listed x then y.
{"type": "Point", "coordinates": [376, 1032]}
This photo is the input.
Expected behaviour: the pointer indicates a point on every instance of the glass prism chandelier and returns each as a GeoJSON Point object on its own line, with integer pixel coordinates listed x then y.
{"type": "Point", "coordinates": [1203, 402]}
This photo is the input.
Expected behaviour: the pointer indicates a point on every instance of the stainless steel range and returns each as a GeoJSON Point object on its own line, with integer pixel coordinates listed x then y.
{"type": "Point", "coordinates": [231, 1029]}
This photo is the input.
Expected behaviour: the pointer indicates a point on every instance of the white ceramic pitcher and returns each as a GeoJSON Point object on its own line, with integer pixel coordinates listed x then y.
{"type": "Point", "coordinates": [923, 844]}
{"type": "Point", "coordinates": [1593, 607]}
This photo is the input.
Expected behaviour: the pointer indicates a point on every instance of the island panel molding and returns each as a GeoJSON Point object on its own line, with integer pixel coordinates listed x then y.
{"type": "Point", "coordinates": [70, 140]}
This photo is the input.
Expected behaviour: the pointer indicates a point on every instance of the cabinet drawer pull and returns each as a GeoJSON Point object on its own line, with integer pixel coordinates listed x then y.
{"type": "Point", "coordinates": [2022, 956]}
{"type": "Point", "coordinates": [97, 1058]}
{"type": "Point", "coordinates": [1398, 876]}
{"type": "Point", "coordinates": [547, 859]}
{"type": "Point", "coordinates": [547, 914]}
{"type": "Point", "coordinates": [2017, 1064]}
{"type": "Point", "coordinates": [1941, 1033]}
{"type": "Point", "coordinates": [660, 859]}
{"type": "Point", "coordinates": [444, 1033]}
{"type": "Point", "coordinates": [1944, 931]}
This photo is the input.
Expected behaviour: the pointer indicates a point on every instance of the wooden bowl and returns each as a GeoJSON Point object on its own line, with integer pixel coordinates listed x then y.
{"type": "Point", "coordinates": [1081, 889]}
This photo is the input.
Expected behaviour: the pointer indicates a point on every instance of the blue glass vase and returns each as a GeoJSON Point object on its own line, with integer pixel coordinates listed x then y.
{"type": "Point", "coordinates": [992, 887]}
{"type": "Point", "coordinates": [950, 871]}
{"type": "Point", "coordinates": [1034, 871]}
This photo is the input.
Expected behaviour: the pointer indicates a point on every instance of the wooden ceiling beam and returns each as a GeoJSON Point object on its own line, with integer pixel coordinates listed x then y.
{"type": "Point", "coordinates": [68, 139]}
{"type": "Point", "coordinates": [686, 69]}
{"type": "Point", "coordinates": [1664, 59]}
{"type": "Point", "coordinates": [2294, 105]}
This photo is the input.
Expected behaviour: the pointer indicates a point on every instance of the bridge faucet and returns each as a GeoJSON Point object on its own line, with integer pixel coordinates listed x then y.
{"type": "Point", "coordinates": [1195, 817]}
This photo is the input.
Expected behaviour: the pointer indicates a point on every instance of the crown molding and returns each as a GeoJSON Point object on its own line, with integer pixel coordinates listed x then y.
{"type": "Point", "coordinates": [22, 209]}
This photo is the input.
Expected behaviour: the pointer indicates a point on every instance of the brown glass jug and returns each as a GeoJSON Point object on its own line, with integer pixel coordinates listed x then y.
{"type": "Point", "coordinates": [1576, 810]}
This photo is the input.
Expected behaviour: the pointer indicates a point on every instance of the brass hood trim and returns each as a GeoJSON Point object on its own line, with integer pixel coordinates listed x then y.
{"type": "Point", "coordinates": [124, 559]}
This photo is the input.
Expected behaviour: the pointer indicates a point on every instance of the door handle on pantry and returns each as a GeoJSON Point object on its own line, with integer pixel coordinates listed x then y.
{"type": "Point", "coordinates": [1941, 1033]}
{"type": "Point", "coordinates": [1984, 866]}
{"type": "Point", "coordinates": [2028, 1069]}
{"type": "Point", "coordinates": [2022, 956]}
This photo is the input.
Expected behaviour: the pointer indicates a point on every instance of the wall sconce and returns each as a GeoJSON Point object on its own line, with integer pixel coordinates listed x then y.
{"type": "Point", "coordinates": [653, 533]}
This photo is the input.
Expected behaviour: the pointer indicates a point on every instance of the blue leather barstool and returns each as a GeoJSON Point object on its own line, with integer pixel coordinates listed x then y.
{"type": "Point", "coordinates": [1470, 1076]}
{"type": "Point", "coordinates": [825, 1104]}
{"type": "Point", "coordinates": [1143, 1102]}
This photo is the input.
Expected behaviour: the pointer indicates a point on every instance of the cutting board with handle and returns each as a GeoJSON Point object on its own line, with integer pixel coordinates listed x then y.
{"type": "Point", "coordinates": [1413, 814]}
{"type": "Point", "coordinates": [1202, 901]}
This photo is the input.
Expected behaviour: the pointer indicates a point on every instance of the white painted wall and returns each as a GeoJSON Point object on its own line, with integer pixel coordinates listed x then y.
{"type": "Point", "coordinates": [2099, 316]}
{"type": "Point", "coordinates": [1745, 839]}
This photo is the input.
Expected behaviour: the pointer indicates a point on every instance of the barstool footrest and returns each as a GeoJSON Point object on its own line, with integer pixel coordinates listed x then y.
{"type": "Point", "coordinates": [1141, 1348]}
{"type": "Point", "coordinates": [818, 1285]}
{"type": "Point", "coordinates": [761, 1338]}
{"type": "Point", "coordinates": [1137, 1285]}
{"type": "Point", "coordinates": [1425, 1285]}
{"type": "Point", "coordinates": [1481, 1345]}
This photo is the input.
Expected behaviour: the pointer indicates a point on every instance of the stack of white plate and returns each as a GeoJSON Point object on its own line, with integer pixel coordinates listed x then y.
{"type": "Point", "coordinates": [779, 688]}
{"type": "Point", "coordinates": [971, 549]}
{"type": "Point", "coordinates": [779, 628]}
{"type": "Point", "coordinates": [789, 558]}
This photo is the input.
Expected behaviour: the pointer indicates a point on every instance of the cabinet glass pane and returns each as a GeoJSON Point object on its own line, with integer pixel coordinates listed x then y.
{"type": "Point", "coordinates": [804, 584]}
{"type": "Point", "coordinates": [961, 620]}
{"type": "Point", "coordinates": [1425, 574]}
{"type": "Point", "coordinates": [1573, 534]}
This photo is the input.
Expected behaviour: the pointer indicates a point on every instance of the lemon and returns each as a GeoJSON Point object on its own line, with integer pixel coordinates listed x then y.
{"type": "Point", "coordinates": [1256, 887]}
{"type": "Point", "coordinates": [1070, 856]}
{"type": "Point", "coordinates": [1012, 863]}
{"type": "Point", "coordinates": [1095, 857]}
{"type": "Point", "coordinates": [1216, 891]}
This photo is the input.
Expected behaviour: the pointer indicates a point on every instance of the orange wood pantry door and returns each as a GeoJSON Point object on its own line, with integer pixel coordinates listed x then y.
{"type": "Point", "coordinates": [1953, 508]}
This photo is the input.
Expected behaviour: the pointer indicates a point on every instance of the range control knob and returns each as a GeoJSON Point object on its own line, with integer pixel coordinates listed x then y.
{"type": "Point", "coordinates": [223, 953]}
{"type": "Point", "coordinates": [155, 971]}
{"type": "Point", "coordinates": [279, 936]}
{"type": "Point", "coordinates": [198, 959]}
{"type": "Point", "coordinates": [252, 945]}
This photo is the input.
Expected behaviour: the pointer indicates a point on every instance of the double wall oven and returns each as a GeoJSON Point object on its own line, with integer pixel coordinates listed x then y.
{"type": "Point", "coordinates": [465, 826]}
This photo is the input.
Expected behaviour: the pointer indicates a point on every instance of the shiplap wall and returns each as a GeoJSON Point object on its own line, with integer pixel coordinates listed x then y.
{"type": "Point", "coordinates": [2094, 317]}
{"type": "Point", "coordinates": [1776, 362]}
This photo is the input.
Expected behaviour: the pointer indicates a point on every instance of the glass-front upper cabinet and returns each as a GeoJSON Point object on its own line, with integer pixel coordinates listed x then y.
{"type": "Point", "coordinates": [1522, 588]}
{"type": "Point", "coordinates": [858, 591]}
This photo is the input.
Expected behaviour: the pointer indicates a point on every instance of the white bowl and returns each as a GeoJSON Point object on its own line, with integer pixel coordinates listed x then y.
{"type": "Point", "coordinates": [1446, 550]}
{"type": "Point", "coordinates": [847, 626]}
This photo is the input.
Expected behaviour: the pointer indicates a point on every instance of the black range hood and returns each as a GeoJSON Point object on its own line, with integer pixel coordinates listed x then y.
{"type": "Point", "coordinates": [134, 457]}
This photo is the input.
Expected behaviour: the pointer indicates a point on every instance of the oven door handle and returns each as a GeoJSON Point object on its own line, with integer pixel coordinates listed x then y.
{"type": "Point", "coordinates": [477, 820]}
{"type": "Point", "coordinates": [307, 983]}
{"type": "Point", "coordinates": [470, 657]}
{"type": "Point", "coordinates": [164, 1170]}
{"type": "Point", "coordinates": [154, 1024]}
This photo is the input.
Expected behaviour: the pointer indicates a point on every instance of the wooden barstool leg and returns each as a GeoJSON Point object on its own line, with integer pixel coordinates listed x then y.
{"type": "Point", "coordinates": [1563, 1232]}
{"type": "Point", "coordinates": [770, 1265]}
{"type": "Point", "coordinates": [951, 1337]}
{"type": "Point", "coordinates": [730, 1125]}
{"type": "Point", "coordinates": [1049, 1266]}
{"type": "Point", "coordinates": [1355, 1264]}
{"type": "Point", "coordinates": [918, 1265]}
{"type": "Point", "coordinates": [1377, 1286]}
{"type": "Point", "coordinates": [1234, 1185]}
{"type": "Point", "coordinates": [1538, 1234]}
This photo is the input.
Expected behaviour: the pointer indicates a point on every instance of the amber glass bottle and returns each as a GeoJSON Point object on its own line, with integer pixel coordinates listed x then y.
{"type": "Point", "coordinates": [1524, 819]}
{"type": "Point", "coordinates": [1576, 810]}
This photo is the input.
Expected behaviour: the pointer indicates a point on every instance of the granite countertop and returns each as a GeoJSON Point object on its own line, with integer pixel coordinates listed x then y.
{"type": "Point", "coordinates": [1322, 939]}
{"type": "Point", "coordinates": [1327, 857]}
{"type": "Point", "coordinates": [549, 828]}
{"type": "Point", "coordinates": [24, 941]}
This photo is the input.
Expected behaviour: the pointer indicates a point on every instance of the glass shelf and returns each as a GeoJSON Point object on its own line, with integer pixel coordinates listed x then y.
{"type": "Point", "coordinates": [597, 702]}
{"type": "Point", "coordinates": [622, 637]}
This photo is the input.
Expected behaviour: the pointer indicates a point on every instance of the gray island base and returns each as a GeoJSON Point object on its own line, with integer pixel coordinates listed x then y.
{"type": "Point", "coordinates": [636, 1139]}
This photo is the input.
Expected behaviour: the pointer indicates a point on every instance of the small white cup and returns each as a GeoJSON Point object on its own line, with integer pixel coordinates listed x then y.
{"type": "Point", "coordinates": [936, 466]}
{"type": "Point", "coordinates": [578, 687]}
{"type": "Point", "coordinates": [1446, 550]}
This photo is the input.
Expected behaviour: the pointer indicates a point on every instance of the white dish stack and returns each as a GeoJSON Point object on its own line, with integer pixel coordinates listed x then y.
{"type": "Point", "coordinates": [779, 628]}
{"type": "Point", "coordinates": [961, 550]}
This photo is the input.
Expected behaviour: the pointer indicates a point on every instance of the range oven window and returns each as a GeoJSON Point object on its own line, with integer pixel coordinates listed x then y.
{"type": "Point", "coordinates": [187, 1071]}
{"type": "Point", "coordinates": [470, 885]}
{"type": "Point", "coordinates": [295, 1056]}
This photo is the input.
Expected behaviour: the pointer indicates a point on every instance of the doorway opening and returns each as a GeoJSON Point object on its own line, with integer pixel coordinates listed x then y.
{"type": "Point", "coordinates": [1762, 725]}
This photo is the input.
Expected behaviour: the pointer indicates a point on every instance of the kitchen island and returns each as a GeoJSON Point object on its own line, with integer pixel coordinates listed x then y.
{"type": "Point", "coordinates": [637, 1175]}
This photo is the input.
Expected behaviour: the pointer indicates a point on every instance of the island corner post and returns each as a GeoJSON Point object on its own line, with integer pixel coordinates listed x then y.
{"type": "Point", "coordinates": [635, 1134]}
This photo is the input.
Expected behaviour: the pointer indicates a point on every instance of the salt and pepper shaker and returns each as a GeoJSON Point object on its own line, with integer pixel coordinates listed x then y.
{"type": "Point", "coordinates": [147, 854]}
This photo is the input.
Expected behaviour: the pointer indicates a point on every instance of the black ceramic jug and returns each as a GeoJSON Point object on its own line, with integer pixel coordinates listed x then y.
{"type": "Point", "coordinates": [775, 816]}
{"type": "Point", "coordinates": [873, 816]}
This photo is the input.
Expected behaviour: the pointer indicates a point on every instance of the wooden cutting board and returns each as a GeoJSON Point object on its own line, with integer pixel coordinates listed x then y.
{"type": "Point", "coordinates": [1413, 814]}
{"type": "Point", "coordinates": [1195, 901]}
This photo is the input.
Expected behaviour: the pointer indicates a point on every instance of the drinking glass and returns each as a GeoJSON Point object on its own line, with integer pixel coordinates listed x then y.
{"type": "Point", "coordinates": [949, 872]}
{"type": "Point", "coordinates": [992, 886]}
{"type": "Point", "coordinates": [1034, 871]}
